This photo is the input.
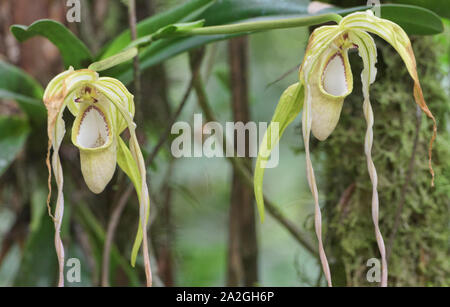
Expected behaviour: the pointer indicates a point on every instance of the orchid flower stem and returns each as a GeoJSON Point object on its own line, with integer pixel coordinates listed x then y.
{"type": "Point", "coordinates": [237, 28]}
{"type": "Point", "coordinates": [114, 60]}
{"type": "Point", "coordinates": [262, 25]}
{"type": "Point", "coordinates": [131, 50]}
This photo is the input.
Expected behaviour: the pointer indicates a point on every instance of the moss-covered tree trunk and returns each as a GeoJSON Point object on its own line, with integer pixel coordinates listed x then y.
{"type": "Point", "coordinates": [413, 215]}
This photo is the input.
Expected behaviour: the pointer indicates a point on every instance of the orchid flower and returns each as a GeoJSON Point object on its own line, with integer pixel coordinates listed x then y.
{"type": "Point", "coordinates": [103, 109]}
{"type": "Point", "coordinates": [325, 79]}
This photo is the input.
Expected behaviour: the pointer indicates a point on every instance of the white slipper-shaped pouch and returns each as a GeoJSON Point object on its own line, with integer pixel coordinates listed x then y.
{"type": "Point", "coordinates": [93, 134]}
{"type": "Point", "coordinates": [333, 82]}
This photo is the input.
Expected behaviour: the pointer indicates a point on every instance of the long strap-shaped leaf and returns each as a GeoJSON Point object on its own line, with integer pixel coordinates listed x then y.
{"type": "Point", "coordinates": [368, 52]}
{"type": "Point", "coordinates": [73, 51]}
{"type": "Point", "coordinates": [288, 108]}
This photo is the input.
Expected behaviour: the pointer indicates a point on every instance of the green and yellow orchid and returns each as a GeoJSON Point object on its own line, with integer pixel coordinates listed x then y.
{"type": "Point", "coordinates": [325, 79]}
{"type": "Point", "coordinates": [103, 109]}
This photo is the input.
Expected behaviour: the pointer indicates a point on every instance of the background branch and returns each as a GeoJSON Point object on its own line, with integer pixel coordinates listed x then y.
{"type": "Point", "coordinates": [242, 239]}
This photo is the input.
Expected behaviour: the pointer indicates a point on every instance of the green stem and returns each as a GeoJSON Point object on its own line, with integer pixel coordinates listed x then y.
{"type": "Point", "coordinates": [195, 28]}
{"type": "Point", "coordinates": [252, 26]}
{"type": "Point", "coordinates": [91, 223]}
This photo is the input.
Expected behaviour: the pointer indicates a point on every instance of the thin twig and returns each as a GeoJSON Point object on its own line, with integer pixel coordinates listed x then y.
{"type": "Point", "coordinates": [409, 173]}
{"type": "Point", "coordinates": [273, 210]}
{"type": "Point", "coordinates": [284, 75]}
{"type": "Point", "coordinates": [137, 72]}
{"type": "Point", "coordinates": [344, 200]}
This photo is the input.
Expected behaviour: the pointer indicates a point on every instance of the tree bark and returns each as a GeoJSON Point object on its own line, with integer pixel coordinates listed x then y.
{"type": "Point", "coordinates": [243, 248]}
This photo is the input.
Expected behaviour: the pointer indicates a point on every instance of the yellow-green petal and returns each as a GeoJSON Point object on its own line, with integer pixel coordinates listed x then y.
{"type": "Point", "coordinates": [288, 108]}
{"type": "Point", "coordinates": [397, 38]}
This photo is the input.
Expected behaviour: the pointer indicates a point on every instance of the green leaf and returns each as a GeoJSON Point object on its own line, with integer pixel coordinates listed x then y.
{"type": "Point", "coordinates": [288, 108]}
{"type": "Point", "coordinates": [129, 166]}
{"type": "Point", "coordinates": [170, 31]}
{"type": "Point", "coordinates": [182, 13]}
{"type": "Point", "coordinates": [177, 28]}
{"type": "Point", "coordinates": [440, 7]}
{"type": "Point", "coordinates": [231, 11]}
{"type": "Point", "coordinates": [18, 81]}
{"type": "Point", "coordinates": [73, 51]}
{"type": "Point", "coordinates": [13, 134]}
{"type": "Point", "coordinates": [228, 11]}
{"type": "Point", "coordinates": [414, 20]}
{"type": "Point", "coordinates": [221, 12]}
{"type": "Point", "coordinates": [17, 85]}
{"type": "Point", "coordinates": [131, 51]}
{"type": "Point", "coordinates": [39, 264]}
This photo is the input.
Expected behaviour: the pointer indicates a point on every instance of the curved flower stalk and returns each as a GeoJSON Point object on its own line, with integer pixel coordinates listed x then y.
{"type": "Point", "coordinates": [325, 80]}
{"type": "Point", "coordinates": [103, 109]}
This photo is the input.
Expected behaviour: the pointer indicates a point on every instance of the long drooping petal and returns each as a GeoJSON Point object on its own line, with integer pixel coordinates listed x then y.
{"type": "Point", "coordinates": [288, 108]}
{"type": "Point", "coordinates": [59, 132]}
{"type": "Point", "coordinates": [54, 102]}
{"type": "Point", "coordinates": [306, 128]}
{"type": "Point", "coordinates": [117, 94]}
{"type": "Point", "coordinates": [368, 52]}
{"type": "Point", "coordinates": [56, 97]}
{"type": "Point", "coordinates": [397, 38]}
{"type": "Point", "coordinates": [327, 83]}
